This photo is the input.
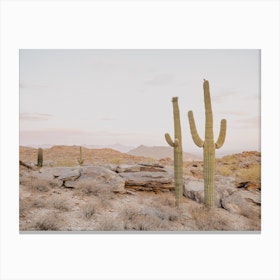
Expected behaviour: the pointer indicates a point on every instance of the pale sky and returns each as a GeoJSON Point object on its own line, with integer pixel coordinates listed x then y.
{"type": "Point", "coordinates": [103, 97]}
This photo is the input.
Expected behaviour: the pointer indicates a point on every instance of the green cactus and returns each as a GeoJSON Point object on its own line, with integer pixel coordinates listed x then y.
{"type": "Point", "coordinates": [40, 157]}
{"type": "Point", "coordinates": [208, 145]}
{"type": "Point", "coordinates": [177, 147]}
{"type": "Point", "coordinates": [80, 159]}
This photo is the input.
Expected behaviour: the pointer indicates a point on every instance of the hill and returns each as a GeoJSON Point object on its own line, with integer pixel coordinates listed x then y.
{"type": "Point", "coordinates": [159, 152]}
{"type": "Point", "coordinates": [68, 155]}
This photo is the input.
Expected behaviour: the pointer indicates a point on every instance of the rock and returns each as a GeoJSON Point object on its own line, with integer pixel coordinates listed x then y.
{"type": "Point", "coordinates": [28, 166]}
{"type": "Point", "coordinates": [152, 167]}
{"type": "Point", "coordinates": [62, 176]}
{"type": "Point", "coordinates": [148, 181]}
{"type": "Point", "coordinates": [104, 176]}
{"type": "Point", "coordinates": [249, 185]}
{"type": "Point", "coordinates": [70, 175]}
{"type": "Point", "coordinates": [227, 196]}
{"type": "Point", "coordinates": [127, 168]}
{"type": "Point", "coordinates": [194, 189]}
{"type": "Point", "coordinates": [116, 178]}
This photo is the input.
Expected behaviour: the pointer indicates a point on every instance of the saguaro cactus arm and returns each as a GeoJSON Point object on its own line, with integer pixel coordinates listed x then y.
{"type": "Point", "coordinates": [170, 142]}
{"type": "Point", "coordinates": [197, 140]}
{"type": "Point", "coordinates": [222, 134]}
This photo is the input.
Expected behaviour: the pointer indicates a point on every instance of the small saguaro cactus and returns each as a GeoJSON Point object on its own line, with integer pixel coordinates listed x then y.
{"type": "Point", "coordinates": [177, 148]}
{"type": "Point", "coordinates": [80, 159]}
{"type": "Point", "coordinates": [40, 157]}
{"type": "Point", "coordinates": [208, 146]}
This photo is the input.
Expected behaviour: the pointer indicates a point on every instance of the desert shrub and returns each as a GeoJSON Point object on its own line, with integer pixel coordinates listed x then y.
{"type": "Point", "coordinates": [48, 222]}
{"type": "Point", "coordinates": [130, 212]}
{"type": "Point", "coordinates": [224, 170]}
{"type": "Point", "coordinates": [149, 217]}
{"type": "Point", "coordinates": [89, 209]}
{"type": "Point", "coordinates": [91, 188]}
{"type": "Point", "coordinates": [134, 219]}
{"type": "Point", "coordinates": [105, 201]}
{"type": "Point", "coordinates": [165, 199]}
{"type": "Point", "coordinates": [231, 160]}
{"type": "Point", "coordinates": [36, 184]}
{"type": "Point", "coordinates": [37, 202]}
{"type": "Point", "coordinates": [60, 204]}
{"type": "Point", "coordinates": [206, 219]}
{"type": "Point", "coordinates": [109, 224]}
{"type": "Point", "coordinates": [252, 173]}
{"type": "Point", "coordinates": [23, 207]}
{"type": "Point", "coordinates": [142, 222]}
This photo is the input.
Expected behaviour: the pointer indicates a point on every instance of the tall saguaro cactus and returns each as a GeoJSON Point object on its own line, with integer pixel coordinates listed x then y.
{"type": "Point", "coordinates": [177, 147]}
{"type": "Point", "coordinates": [208, 145]}
{"type": "Point", "coordinates": [40, 157]}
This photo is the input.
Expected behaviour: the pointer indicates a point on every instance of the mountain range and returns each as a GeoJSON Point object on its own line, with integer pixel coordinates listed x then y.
{"type": "Point", "coordinates": [159, 152]}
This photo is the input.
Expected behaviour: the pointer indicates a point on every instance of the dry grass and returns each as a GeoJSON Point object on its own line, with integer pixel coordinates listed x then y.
{"type": "Point", "coordinates": [91, 188]}
{"type": "Point", "coordinates": [60, 204]}
{"type": "Point", "coordinates": [252, 173]}
{"type": "Point", "coordinates": [165, 199]}
{"type": "Point", "coordinates": [148, 217]}
{"type": "Point", "coordinates": [224, 170]}
{"type": "Point", "coordinates": [89, 209]}
{"type": "Point", "coordinates": [48, 222]}
{"type": "Point", "coordinates": [108, 223]}
{"type": "Point", "coordinates": [23, 207]}
{"type": "Point", "coordinates": [35, 184]}
{"type": "Point", "coordinates": [37, 202]}
{"type": "Point", "coordinates": [207, 219]}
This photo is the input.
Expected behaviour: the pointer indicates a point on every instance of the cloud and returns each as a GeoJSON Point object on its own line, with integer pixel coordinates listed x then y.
{"type": "Point", "coordinates": [34, 117]}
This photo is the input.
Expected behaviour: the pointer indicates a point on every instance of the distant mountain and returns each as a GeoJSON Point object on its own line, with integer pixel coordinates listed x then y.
{"type": "Point", "coordinates": [117, 147]}
{"type": "Point", "coordinates": [159, 152]}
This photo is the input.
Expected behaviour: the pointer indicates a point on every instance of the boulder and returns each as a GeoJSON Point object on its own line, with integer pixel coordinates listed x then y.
{"type": "Point", "coordinates": [227, 196]}
{"type": "Point", "coordinates": [62, 176]}
{"type": "Point", "coordinates": [103, 176]}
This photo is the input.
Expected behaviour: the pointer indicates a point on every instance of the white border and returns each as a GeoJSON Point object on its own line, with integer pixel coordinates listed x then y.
{"type": "Point", "coordinates": [136, 24]}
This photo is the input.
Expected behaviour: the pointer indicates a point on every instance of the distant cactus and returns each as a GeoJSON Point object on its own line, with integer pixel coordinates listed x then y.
{"type": "Point", "coordinates": [40, 157]}
{"type": "Point", "coordinates": [177, 148]}
{"type": "Point", "coordinates": [80, 159]}
{"type": "Point", "coordinates": [208, 145]}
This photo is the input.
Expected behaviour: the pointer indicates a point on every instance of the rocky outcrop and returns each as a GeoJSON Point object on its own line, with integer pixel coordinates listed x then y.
{"type": "Point", "coordinates": [235, 200]}
{"type": "Point", "coordinates": [119, 178]}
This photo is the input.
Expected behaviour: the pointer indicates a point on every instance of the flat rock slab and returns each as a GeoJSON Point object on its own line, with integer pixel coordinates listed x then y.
{"type": "Point", "coordinates": [148, 181]}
